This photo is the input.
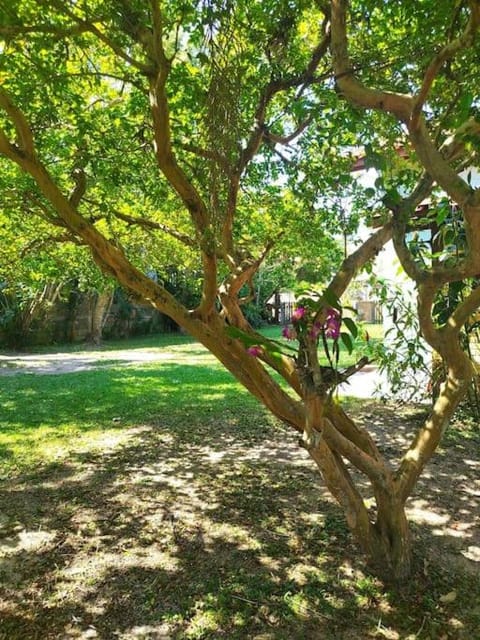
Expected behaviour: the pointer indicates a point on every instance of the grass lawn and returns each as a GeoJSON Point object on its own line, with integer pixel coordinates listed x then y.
{"type": "Point", "coordinates": [158, 500]}
{"type": "Point", "coordinates": [40, 415]}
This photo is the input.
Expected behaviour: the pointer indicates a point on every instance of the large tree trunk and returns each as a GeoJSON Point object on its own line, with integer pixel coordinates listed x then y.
{"type": "Point", "coordinates": [386, 540]}
{"type": "Point", "coordinates": [391, 554]}
{"type": "Point", "coordinates": [331, 438]}
{"type": "Point", "coordinates": [101, 307]}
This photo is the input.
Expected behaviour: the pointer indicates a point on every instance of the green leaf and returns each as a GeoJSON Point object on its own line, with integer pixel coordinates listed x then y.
{"type": "Point", "coordinates": [441, 215]}
{"type": "Point", "coordinates": [247, 339]}
{"type": "Point", "coordinates": [347, 341]}
{"type": "Point", "coordinates": [330, 298]}
{"type": "Point", "coordinates": [273, 347]}
{"type": "Point", "coordinates": [351, 326]}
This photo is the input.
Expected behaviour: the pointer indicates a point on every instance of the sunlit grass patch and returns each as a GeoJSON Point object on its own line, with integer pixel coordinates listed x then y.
{"type": "Point", "coordinates": [41, 416]}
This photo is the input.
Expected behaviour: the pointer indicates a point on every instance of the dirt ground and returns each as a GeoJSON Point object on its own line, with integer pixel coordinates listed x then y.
{"type": "Point", "coordinates": [123, 540]}
{"type": "Point", "coordinates": [58, 363]}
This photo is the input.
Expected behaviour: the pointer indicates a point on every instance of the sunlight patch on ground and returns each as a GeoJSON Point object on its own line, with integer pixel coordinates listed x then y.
{"type": "Point", "coordinates": [472, 553]}
{"type": "Point", "coordinates": [457, 530]}
{"type": "Point", "coordinates": [472, 463]}
{"type": "Point", "coordinates": [152, 557]}
{"type": "Point", "coordinates": [57, 363]}
{"type": "Point", "coordinates": [301, 573]}
{"type": "Point", "coordinates": [29, 541]}
{"type": "Point", "coordinates": [421, 512]}
{"type": "Point", "coordinates": [236, 534]}
{"type": "Point", "coordinates": [159, 632]}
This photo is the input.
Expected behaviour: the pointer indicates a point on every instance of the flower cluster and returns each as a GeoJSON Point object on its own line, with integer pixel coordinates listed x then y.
{"type": "Point", "coordinates": [298, 314]}
{"type": "Point", "coordinates": [301, 326]}
{"type": "Point", "coordinates": [331, 326]}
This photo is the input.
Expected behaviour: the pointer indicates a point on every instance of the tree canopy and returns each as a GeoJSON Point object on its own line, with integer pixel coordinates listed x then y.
{"type": "Point", "coordinates": [224, 132]}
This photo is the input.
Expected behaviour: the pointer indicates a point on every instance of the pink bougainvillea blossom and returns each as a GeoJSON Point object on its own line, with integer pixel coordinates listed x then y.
{"type": "Point", "coordinates": [332, 324]}
{"type": "Point", "coordinates": [298, 314]}
{"type": "Point", "coordinates": [289, 333]}
{"type": "Point", "coordinates": [255, 350]}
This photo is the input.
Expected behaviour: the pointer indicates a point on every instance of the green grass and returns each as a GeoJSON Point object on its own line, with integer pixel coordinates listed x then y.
{"type": "Point", "coordinates": [41, 415]}
{"type": "Point", "coordinates": [157, 340]}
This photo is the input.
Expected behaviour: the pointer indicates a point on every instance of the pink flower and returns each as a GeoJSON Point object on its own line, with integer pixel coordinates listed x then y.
{"type": "Point", "coordinates": [255, 350]}
{"type": "Point", "coordinates": [332, 324]}
{"type": "Point", "coordinates": [289, 333]}
{"type": "Point", "coordinates": [298, 314]}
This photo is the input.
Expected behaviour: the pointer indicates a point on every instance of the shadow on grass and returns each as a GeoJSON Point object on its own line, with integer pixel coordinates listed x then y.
{"type": "Point", "coordinates": [213, 524]}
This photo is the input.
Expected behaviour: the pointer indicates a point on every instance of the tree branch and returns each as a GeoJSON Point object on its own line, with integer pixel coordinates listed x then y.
{"type": "Point", "coordinates": [427, 292]}
{"type": "Point", "coordinates": [396, 103]}
{"type": "Point", "coordinates": [401, 217]}
{"type": "Point", "coordinates": [168, 165]}
{"type": "Point", "coordinates": [276, 139]}
{"type": "Point", "coordinates": [41, 243]}
{"type": "Point", "coordinates": [453, 147]}
{"type": "Point", "coordinates": [207, 154]}
{"type": "Point", "coordinates": [86, 25]}
{"type": "Point", "coordinates": [446, 53]}
{"type": "Point", "coordinates": [429, 436]}
{"type": "Point", "coordinates": [371, 467]}
{"type": "Point", "coordinates": [157, 36]}
{"type": "Point", "coordinates": [356, 260]}
{"type": "Point", "coordinates": [269, 92]}
{"type": "Point", "coordinates": [437, 166]}
{"type": "Point", "coordinates": [460, 315]}
{"type": "Point", "coordinates": [146, 223]}
{"type": "Point", "coordinates": [6, 147]}
{"type": "Point", "coordinates": [80, 179]}
{"type": "Point", "coordinates": [260, 133]}
{"type": "Point", "coordinates": [44, 212]}
{"type": "Point", "coordinates": [11, 31]}
{"type": "Point", "coordinates": [340, 484]}
{"type": "Point", "coordinates": [399, 105]}
{"type": "Point", "coordinates": [164, 154]}
{"type": "Point", "coordinates": [22, 128]}
{"type": "Point", "coordinates": [230, 289]}
{"type": "Point", "coordinates": [349, 429]}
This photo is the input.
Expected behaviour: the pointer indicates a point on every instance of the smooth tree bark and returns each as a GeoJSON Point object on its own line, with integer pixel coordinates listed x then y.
{"type": "Point", "coordinates": [439, 166]}
{"type": "Point", "coordinates": [145, 53]}
{"type": "Point", "coordinates": [101, 303]}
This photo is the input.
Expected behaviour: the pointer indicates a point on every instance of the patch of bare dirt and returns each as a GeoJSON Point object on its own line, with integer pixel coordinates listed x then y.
{"type": "Point", "coordinates": [64, 362]}
{"type": "Point", "coordinates": [446, 501]}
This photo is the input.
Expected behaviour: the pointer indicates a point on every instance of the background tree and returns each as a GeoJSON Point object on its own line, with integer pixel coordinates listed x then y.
{"type": "Point", "coordinates": [222, 126]}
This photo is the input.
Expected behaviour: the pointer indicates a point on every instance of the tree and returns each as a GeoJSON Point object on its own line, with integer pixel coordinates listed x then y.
{"type": "Point", "coordinates": [220, 127]}
{"type": "Point", "coordinates": [37, 268]}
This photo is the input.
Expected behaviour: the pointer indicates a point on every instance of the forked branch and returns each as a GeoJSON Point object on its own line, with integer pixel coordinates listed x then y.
{"type": "Point", "coordinates": [446, 53]}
